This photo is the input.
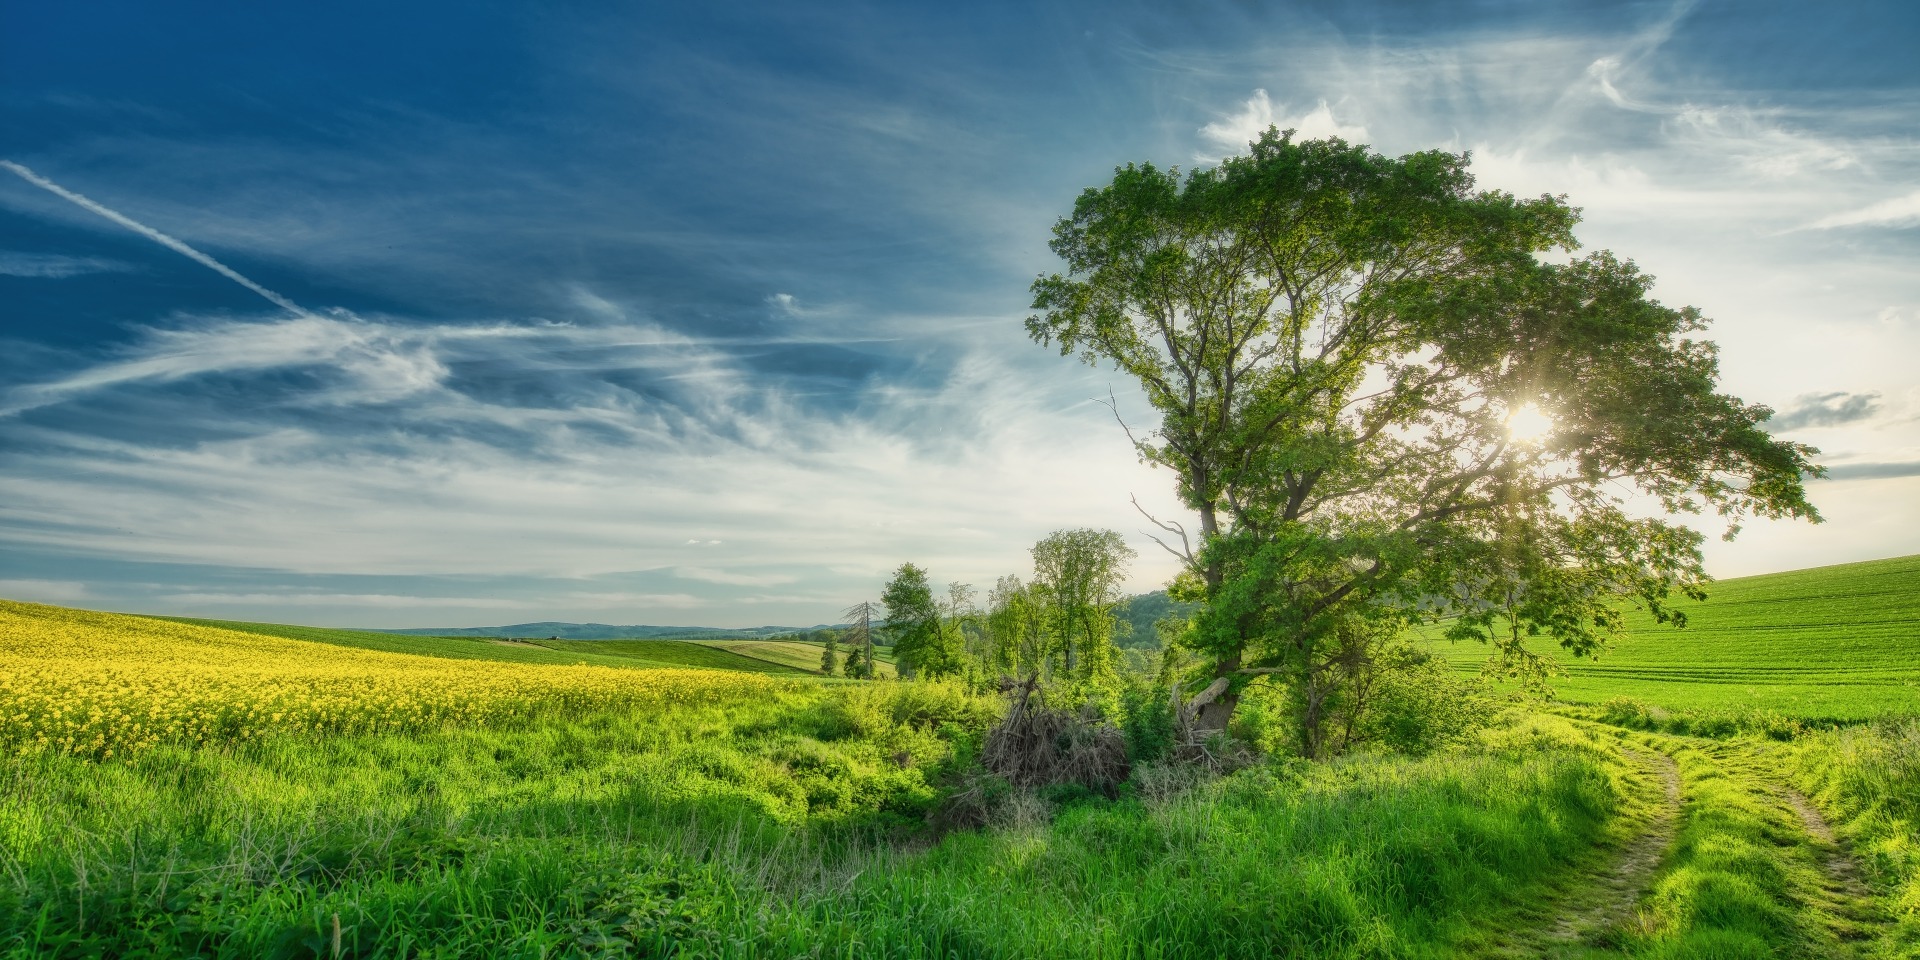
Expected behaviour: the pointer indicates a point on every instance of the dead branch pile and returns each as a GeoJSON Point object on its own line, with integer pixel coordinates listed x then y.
{"type": "Point", "coordinates": [1038, 745]}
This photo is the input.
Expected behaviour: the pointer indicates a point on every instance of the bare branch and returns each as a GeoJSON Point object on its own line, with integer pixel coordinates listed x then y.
{"type": "Point", "coordinates": [1171, 526]}
{"type": "Point", "coordinates": [1113, 404]}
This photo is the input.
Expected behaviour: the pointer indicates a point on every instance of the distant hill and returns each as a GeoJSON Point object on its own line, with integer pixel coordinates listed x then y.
{"type": "Point", "coordinates": [645, 654]}
{"type": "Point", "coordinates": [1142, 612]}
{"type": "Point", "coordinates": [598, 631]}
{"type": "Point", "coordinates": [1139, 613]}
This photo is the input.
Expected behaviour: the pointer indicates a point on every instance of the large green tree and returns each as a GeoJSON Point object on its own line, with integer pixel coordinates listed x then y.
{"type": "Point", "coordinates": [1016, 628]}
{"type": "Point", "coordinates": [1389, 395]}
{"type": "Point", "coordinates": [914, 625]}
{"type": "Point", "coordinates": [1079, 572]}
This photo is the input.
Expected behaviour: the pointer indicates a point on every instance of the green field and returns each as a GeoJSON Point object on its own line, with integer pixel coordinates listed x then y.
{"type": "Point", "coordinates": [797, 654]}
{"type": "Point", "coordinates": [680, 653]}
{"type": "Point", "coordinates": [1839, 643]}
{"type": "Point", "coordinates": [605, 653]}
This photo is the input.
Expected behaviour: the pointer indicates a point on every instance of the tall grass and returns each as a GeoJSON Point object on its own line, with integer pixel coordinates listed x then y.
{"type": "Point", "coordinates": [1870, 778]}
{"type": "Point", "coordinates": [791, 824]}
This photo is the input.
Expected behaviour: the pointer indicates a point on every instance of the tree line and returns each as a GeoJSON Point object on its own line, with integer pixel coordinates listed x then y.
{"type": "Point", "coordinates": [1060, 626]}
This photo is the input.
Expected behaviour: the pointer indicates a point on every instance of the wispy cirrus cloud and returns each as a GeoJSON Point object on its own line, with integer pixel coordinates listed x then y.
{"type": "Point", "coordinates": [54, 266]}
{"type": "Point", "coordinates": [1901, 211]}
{"type": "Point", "coordinates": [1874, 471]}
{"type": "Point", "coordinates": [734, 578]}
{"type": "Point", "coordinates": [1230, 134]}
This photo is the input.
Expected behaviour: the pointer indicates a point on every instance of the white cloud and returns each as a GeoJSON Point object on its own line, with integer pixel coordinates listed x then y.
{"type": "Point", "coordinates": [960, 471]}
{"type": "Point", "coordinates": [1231, 133]}
{"type": "Point", "coordinates": [44, 591]}
{"type": "Point", "coordinates": [1897, 212]}
{"type": "Point", "coordinates": [790, 599]}
{"type": "Point", "coordinates": [732, 578]}
{"type": "Point", "coordinates": [628, 599]}
{"type": "Point", "coordinates": [381, 362]}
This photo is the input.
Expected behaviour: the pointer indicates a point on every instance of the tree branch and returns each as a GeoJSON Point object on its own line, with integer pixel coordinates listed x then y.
{"type": "Point", "coordinates": [1171, 526]}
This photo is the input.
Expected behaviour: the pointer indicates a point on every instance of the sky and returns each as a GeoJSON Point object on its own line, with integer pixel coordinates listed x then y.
{"type": "Point", "coordinates": [417, 314]}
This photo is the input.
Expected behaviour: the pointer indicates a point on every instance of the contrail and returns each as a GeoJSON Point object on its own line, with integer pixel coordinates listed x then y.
{"type": "Point", "coordinates": [154, 235]}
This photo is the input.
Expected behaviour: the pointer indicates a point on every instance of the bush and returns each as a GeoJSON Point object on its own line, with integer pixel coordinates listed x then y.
{"type": "Point", "coordinates": [1418, 704]}
{"type": "Point", "coordinates": [1719, 724]}
{"type": "Point", "coordinates": [1628, 712]}
{"type": "Point", "coordinates": [1147, 721]}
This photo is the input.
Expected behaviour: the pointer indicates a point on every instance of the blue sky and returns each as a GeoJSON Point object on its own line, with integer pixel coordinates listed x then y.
{"type": "Point", "coordinates": [711, 313]}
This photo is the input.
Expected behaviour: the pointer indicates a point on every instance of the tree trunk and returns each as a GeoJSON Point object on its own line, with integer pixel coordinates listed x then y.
{"type": "Point", "coordinates": [1216, 711]}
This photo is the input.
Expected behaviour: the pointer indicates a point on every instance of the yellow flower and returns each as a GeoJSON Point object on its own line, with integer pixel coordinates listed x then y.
{"type": "Point", "coordinates": [102, 683]}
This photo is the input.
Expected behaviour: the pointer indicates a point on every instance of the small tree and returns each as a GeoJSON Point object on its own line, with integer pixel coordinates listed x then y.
{"type": "Point", "coordinates": [830, 656]}
{"type": "Point", "coordinates": [960, 624]}
{"type": "Point", "coordinates": [860, 640]}
{"type": "Point", "coordinates": [1016, 628]}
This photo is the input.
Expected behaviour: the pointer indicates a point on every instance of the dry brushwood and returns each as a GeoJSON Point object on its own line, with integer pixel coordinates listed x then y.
{"type": "Point", "coordinates": [1038, 745]}
{"type": "Point", "coordinates": [1214, 751]}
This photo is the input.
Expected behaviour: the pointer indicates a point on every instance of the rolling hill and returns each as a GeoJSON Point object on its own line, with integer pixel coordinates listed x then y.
{"type": "Point", "coordinates": [797, 653]}
{"type": "Point", "coordinates": [593, 631]}
{"type": "Point", "coordinates": [1835, 643]}
{"type": "Point", "coordinates": [645, 654]}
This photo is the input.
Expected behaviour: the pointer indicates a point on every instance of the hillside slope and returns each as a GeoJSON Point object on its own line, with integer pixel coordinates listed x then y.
{"type": "Point", "coordinates": [593, 631]}
{"type": "Point", "coordinates": [637, 654]}
{"type": "Point", "coordinates": [798, 654]}
{"type": "Point", "coordinates": [1839, 643]}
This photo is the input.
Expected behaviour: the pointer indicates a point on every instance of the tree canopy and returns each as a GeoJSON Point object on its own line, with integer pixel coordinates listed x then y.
{"type": "Point", "coordinates": [914, 624]}
{"type": "Point", "coordinates": [1388, 396]}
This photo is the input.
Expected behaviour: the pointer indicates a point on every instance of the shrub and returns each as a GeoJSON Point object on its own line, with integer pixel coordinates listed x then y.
{"type": "Point", "coordinates": [1418, 705]}
{"type": "Point", "coordinates": [1628, 712]}
{"type": "Point", "coordinates": [1147, 721]}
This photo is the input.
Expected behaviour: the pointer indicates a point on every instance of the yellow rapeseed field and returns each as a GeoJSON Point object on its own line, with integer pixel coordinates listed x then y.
{"type": "Point", "coordinates": [105, 685]}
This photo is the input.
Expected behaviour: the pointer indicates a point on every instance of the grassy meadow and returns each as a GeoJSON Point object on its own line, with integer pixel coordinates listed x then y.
{"type": "Point", "coordinates": [202, 788]}
{"type": "Point", "coordinates": [605, 653]}
{"type": "Point", "coordinates": [799, 654]}
{"type": "Point", "coordinates": [1830, 644]}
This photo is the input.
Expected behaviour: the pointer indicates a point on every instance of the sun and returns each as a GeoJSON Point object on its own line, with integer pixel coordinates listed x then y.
{"type": "Point", "coordinates": [1528, 425]}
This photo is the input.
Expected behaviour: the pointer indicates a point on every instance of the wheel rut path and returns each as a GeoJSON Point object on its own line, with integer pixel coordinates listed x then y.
{"type": "Point", "coordinates": [1610, 900]}
{"type": "Point", "coordinates": [1841, 869]}
{"type": "Point", "coordinates": [1854, 913]}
